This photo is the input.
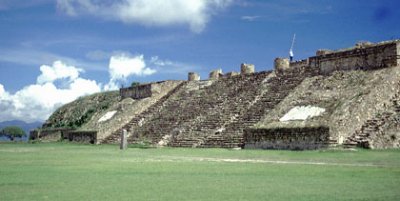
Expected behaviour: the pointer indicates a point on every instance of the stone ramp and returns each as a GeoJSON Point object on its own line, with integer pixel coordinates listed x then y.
{"type": "Point", "coordinates": [142, 117]}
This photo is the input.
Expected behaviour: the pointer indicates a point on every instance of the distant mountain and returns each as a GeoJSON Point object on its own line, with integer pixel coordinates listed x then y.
{"type": "Point", "coordinates": [25, 126]}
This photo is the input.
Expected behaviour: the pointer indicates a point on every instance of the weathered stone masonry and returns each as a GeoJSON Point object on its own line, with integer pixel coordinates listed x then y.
{"type": "Point", "coordinates": [59, 134]}
{"type": "Point", "coordinates": [361, 57]}
{"type": "Point", "coordinates": [221, 111]}
{"type": "Point", "coordinates": [141, 91]}
{"type": "Point", "coordinates": [287, 138]}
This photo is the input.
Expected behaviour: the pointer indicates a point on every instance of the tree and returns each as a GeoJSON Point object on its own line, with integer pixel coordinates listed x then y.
{"type": "Point", "coordinates": [134, 84]}
{"type": "Point", "coordinates": [13, 132]}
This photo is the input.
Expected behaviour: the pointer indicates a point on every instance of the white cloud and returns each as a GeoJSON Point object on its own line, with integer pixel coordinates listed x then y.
{"type": "Point", "coordinates": [59, 70]}
{"type": "Point", "coordinates": [38, 101]}
{"type": "Point", "coordinates": [122, 66]}
{"type": "Point", "coordinates": [250, 18]}
{"type": "Point", "coordinates": [165, 66]}
{"type": "Point", "coordinates": [61, 83]}
{"type": "Point", "coordinates": [195, 13]}
{"type": "Point", "coordinates": [2, 91]}
{"type": "Point", "coordinates": [157, 61]}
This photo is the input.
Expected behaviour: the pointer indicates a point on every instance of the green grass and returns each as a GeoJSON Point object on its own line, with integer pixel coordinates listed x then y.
{"type": "Point", "coordinates": [89, 172]}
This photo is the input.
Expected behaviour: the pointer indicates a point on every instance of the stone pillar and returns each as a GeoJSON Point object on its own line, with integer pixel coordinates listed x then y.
{"type": "Point", "coordinates": [192, 76]}
{"type": "Point", "coordinates": [246, 68]}
{"type": "Point", "coordinates": [281, 64]}
{"type": "Point", "coordinates": [124, 140]}
{"type": "Point", "coordinates": [215, 74]}
{"type": "Point", "coordinates": [398, 52]}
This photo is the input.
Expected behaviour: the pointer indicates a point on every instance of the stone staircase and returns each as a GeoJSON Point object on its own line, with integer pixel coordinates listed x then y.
{"type": "Point", "coordinates": [247, 106]}
{"type": "Point", "coordinates": [212, 115]}
{"type": "Point", "coordinates": [277, 88]}
{"type": "Point", "coordinates": [375, 126]}
{"type": "Point", "coordinates": [190, 116]}
{"type": "Point", "coordinates": [227, 107]}
{"type": "Point", "coordinates": [143, 117]}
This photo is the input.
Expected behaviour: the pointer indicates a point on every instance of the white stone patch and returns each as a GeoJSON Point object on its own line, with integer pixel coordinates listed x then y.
{"type": "Point", "coordinates": [302, 113]}
{"type": "Point", "coordinates": [107, 116]}
{"type": "Point", "coordinates": [164, 141]}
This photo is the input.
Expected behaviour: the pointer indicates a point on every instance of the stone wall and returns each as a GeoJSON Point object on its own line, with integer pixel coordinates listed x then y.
{"type": "Point", "coordinates": [299, 64]}
{"type": "Point", "coordinates": [231, 74]}
{"type": "Point", "coordinates": [59, 134]}
{"type": "Point", "coordinates": [141, 91]}
{"type": "Point", "coordinates": [369, 57]}
{"type": "Point", "coordinates": [287, 138]}
{"type": "Point", "coordinates": [50, 135]}
{"type": "Point", "coordinates": [83, 136]}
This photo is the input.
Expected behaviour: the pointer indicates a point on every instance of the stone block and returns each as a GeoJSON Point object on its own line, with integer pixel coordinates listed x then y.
{"type": "Point", "coordinates": [281, 64]}
{"type": "Point", "coordinates": [247, 68]}
{"type": "Point", "coordinates": [231, 74]}
{"type": "Point", "coordinates": [216, 74]}
{"type": "Point", "coordinates": [192, 76]}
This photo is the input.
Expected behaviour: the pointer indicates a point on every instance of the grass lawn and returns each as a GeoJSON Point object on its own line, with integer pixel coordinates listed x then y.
{"type": "Point", "coordinates": [62, 171]}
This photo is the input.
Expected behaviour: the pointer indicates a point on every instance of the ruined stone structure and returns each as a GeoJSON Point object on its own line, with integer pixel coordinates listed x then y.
{"type": "Point", "coordinates": [142, 91]}
{"type": "Point", "coordinates": [362, 57]}
{"type": "Point", "coordinates": [246, 69]}
{"type": "Point", "coordinates": [281, 64]}
{"type": "Point", "coordinates": [231, 74]}
{"type": "Point", "coordinates": [215, 74]}
{"type": "Point", "coordinates": [244, 110]}
{"type": "Point", "coordinates": [54, 135]}
{"type": "Point", "coordinates": [192, 76]}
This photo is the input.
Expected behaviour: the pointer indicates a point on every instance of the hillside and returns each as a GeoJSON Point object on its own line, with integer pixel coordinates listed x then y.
{"type": "Point", "coordinates": [79, 112]}
{"type": "Point", "coordinates": [103, 112]}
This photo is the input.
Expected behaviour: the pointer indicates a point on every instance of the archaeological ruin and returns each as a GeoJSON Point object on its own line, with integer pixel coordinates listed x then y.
{"type": "Point", "coordinates": [344, 98]}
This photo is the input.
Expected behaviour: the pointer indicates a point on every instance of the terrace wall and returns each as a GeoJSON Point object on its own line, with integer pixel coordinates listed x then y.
{"type": "Point", "coordinates": [59, 134]}
{"type": "Point", "coordinates": [359, 58]}
{"type": "Point", "coordinates": [287, 138]}
{"type": "Point", "coordinates": [148, 90]}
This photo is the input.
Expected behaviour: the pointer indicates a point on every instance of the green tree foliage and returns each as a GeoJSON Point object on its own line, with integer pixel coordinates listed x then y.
{"type": "Point", "coordinates": [13, 132]}
{"type": "Point", "coordinates": [134, 84]}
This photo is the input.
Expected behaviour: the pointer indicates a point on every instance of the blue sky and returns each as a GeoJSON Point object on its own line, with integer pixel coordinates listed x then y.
{"type": "Point", "coordinates": [68, 48]}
